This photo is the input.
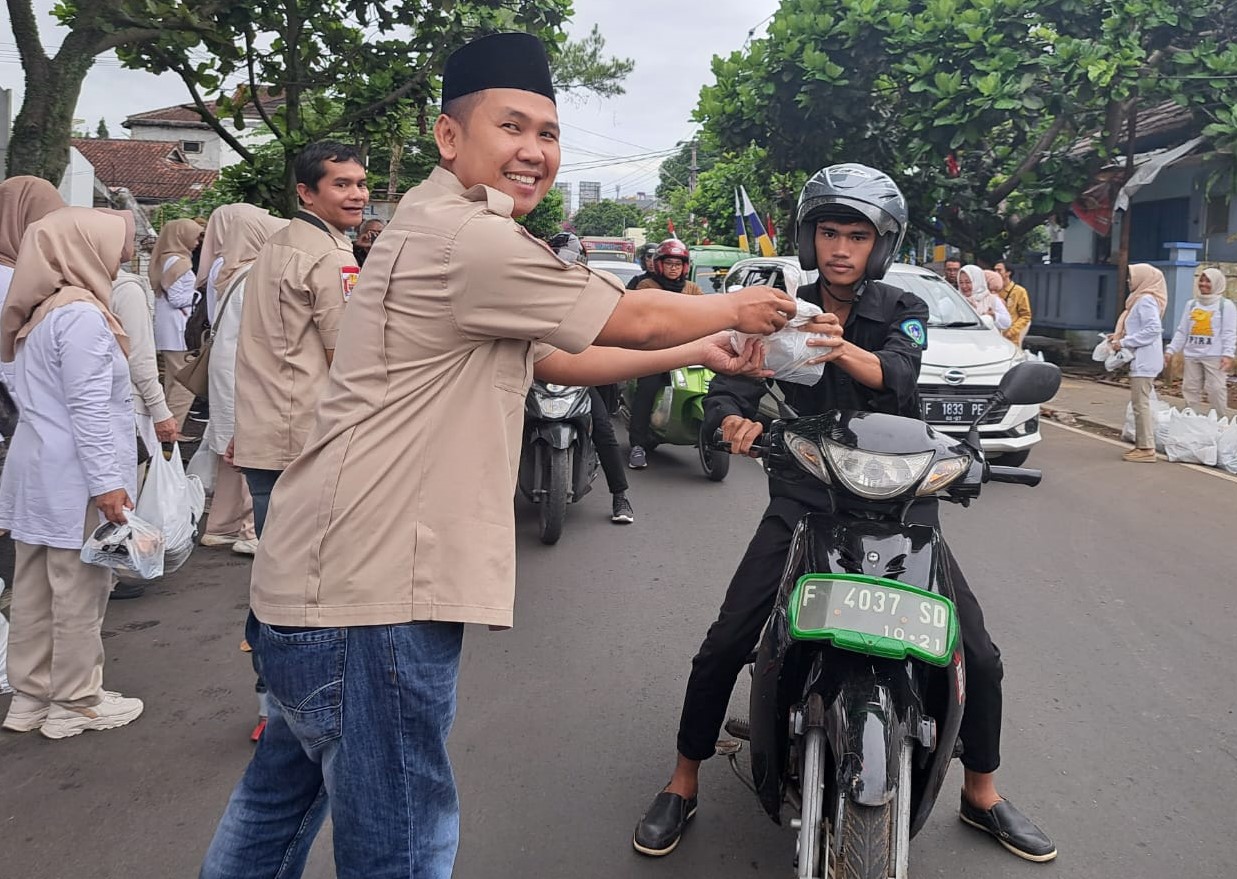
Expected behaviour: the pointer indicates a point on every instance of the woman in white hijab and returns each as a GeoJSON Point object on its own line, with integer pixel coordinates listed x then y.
{"type": "Point", "coordinates": [1207, 336]}
{"type": "Point", "coordinates": [234, 235]}
{"type": "Point", "coordinates": [974, 286]}
{"type": "Point", "coordinates": [73, 463]}
{"type": "Point", "coordinates": [1140, 329]}
{"type": "Point", "coordinates": [173, 282]}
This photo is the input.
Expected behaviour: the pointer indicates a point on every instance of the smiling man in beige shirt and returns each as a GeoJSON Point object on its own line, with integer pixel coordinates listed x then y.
{"type": "Point", "coordinates": [395, 526]}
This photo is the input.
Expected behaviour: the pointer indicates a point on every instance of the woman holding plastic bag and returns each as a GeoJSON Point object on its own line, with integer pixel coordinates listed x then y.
{"type": "Point", "coordinates": [974, 286]}
{"type": "Point", "coordinates": [73, 461]}
{"type": "Point", "coordinates": [239, 231]}
{"type": "Point", "coordinates": [1140, 329]}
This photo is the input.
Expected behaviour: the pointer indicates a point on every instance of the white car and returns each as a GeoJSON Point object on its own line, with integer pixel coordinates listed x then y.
{"type": "Point", "coordinates": [624, 271]}
{"type": "Point", "coordinates": [962, 364]}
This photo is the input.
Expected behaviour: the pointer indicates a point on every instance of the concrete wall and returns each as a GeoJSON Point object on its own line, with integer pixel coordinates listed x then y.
{"type": "Point", "coordinates": [78, 183]}
{"type": "Point", "coordinates": [208, 159]}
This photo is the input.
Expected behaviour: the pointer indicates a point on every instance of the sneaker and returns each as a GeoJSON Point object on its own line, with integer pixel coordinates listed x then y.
{"type": "Point", "coordinates": [1140, 456]}
{"type": "Point", "coordinates": [217, 540]}
{"type": "Point", "coordinates": [25, 714]}
{"type": "Point", "coordinates": [125, 589]}
{"type": "Point", "coordinates": [112, 711]}
{"type": "Point", "coordinates": [623, 514]}
{"type": "Point", "coordinates": [245, 547]}
{"type": "Point", "coordinates": [637, 460]}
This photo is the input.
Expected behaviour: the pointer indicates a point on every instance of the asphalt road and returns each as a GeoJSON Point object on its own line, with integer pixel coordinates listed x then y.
{"type": "Point", "coordinates": [1110, 589]}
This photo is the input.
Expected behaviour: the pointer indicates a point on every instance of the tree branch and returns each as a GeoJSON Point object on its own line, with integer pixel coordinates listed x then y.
{"type": "Point", "coordinates": [1030, 161]}
{"type": "Point", "coordinates": [210, 119]}
{"type": "Point", "coordinates": [26, 33]}
{"type": "Point", "coordinates": [253, 87]}
{"type": "Point", "coordinates": [400, 93]}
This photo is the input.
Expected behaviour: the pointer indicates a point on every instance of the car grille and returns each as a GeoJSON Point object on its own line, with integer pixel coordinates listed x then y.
{"type": "Point", "coordinates": [971, 392]}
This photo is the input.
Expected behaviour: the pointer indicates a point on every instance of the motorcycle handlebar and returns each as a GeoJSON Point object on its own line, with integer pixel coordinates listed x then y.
{"type": "Point", "coordinates": [1015, 475]}
{"type": "Point", "coordinates": [759, 448]}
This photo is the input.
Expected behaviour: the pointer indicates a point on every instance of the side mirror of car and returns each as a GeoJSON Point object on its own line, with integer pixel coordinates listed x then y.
{"type": "Point", "coordinates": [1030, 382]}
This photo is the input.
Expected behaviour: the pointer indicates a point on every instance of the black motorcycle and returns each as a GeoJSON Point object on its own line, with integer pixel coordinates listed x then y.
{"type": "Point", "coordinates": [558, 462]}
{"type": "Point", "coordinates": [858, 684]}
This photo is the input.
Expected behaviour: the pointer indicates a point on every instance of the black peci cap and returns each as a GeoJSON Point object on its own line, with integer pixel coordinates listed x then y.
{"type": "Point", "coordinates": [499, 61]}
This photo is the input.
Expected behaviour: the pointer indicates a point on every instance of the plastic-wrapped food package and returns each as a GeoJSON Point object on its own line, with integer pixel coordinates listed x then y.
{"type": "Point", "coordinates": [172, 501]}
{"type": "Point", "coordinates": [787, 351]}
{"type": "Point", "coordinates": [133, 550]}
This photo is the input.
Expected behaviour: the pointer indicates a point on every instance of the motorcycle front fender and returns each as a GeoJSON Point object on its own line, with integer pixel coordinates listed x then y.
{"type": "Point", "coordinates": [865, 735]}
{"type": "Point", "coordinates": [555, 434]}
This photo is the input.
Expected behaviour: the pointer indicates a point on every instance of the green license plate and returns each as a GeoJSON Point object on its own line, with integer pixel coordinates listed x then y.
{"type": "Point", "coordinates": [875, 616]}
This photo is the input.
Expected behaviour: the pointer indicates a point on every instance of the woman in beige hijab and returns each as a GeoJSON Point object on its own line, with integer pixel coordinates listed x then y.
{"type": "Point", "coordinates": [234, 235]}
{"type": "Point", "coordinates": [173, 282]}
{"type": "Point", "coordinates": [73, 463]}
{"type": "Point", "coordinates": [1140, 330]}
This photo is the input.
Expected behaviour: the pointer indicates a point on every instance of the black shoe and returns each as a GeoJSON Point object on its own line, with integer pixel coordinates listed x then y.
{"type": "Point", "coordinates": [125, 590]}
{"type": "Point", "coordinates": [622, 513]}
{"type": "Point", "coordinates": [1018, 833]}
{"type": "Point", "coordinates": [637, 460]}
{"type": "Point", "coordinates": [662, 826]}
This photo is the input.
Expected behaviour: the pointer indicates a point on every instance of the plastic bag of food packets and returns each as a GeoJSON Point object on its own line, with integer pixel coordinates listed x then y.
{"type": "Point", "coordinates": [787, 351]}
{"type": "Point", "coordinates": [133, 550]}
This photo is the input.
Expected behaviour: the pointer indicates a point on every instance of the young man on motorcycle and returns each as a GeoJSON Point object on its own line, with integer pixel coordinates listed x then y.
{"type": "Point", "coordinates": [644, 258]}
{"type": "Point", "coordinates": [851, 220]}
{"type": "Point", "coordinates": [570, 249]}
{"type": "Point", "coordinates": [670, 264]}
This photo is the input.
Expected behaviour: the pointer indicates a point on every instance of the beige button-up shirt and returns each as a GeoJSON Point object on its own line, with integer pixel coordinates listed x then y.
{"type": "Point", "coordinates": [401, 508]}
{"type": "Point", "coordinates": [294, 300]}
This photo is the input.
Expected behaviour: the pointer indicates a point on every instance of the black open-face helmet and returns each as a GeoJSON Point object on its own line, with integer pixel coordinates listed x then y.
{"type": "Point", "coordinates": [847, 193]}
{"type": "Point", "coordinates": [569, 248]}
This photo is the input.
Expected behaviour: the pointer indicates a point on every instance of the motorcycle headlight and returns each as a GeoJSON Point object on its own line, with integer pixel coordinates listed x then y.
{"type": "Point", "coordinates": [942, 474]}
{"type": "Point", "coordinates": [554, 407]}
{"type": "Point", "coordinates": [557, 389]}
{"type": "Point", "coordinates": [876, 476]}
{"type": "Point", "coordinates": [809, 455]}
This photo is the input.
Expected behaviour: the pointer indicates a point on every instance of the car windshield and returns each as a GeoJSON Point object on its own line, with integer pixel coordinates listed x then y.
{"type": "Point", "coordinates": [624, 271]}
{"type": "Point", "coordinates": [712, 279]}
{"type": "Point", "coordinates": [946, 307]}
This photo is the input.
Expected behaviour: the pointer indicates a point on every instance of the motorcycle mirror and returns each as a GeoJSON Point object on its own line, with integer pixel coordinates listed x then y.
{"type": "Point", "coordinates": [1030, 382]}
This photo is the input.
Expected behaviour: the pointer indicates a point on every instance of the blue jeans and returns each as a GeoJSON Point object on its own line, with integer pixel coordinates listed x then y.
{"type": "Point", "coordinates": [361, 729]}
{"type": "Point", "coordinates": [261, 483]}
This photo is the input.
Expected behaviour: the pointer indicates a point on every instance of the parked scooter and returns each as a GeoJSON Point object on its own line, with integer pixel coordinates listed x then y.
{"type": "Point", "coordinates": [557, 462]}
{"type": "Point", "coordinates": [678, 417]}
{"type": "Point", "coordinates": [858, 683]}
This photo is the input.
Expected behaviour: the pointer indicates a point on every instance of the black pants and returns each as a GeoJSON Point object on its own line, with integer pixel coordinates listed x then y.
{"type": "Point", "coordinates": [748, 603]}
{"type": "Point", "coordinates": [606, 444]}
{"type": "Point", "coordinates": [638, 431]}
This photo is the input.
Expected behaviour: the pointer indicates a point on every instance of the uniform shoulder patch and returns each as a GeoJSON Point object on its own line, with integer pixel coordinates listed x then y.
{"type": "Point", "coordinates": [914, 330]}
{"type": "Point", "coordinates": [348, 276]}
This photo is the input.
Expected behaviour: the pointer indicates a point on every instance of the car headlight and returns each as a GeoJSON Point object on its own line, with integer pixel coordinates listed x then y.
{"type": "Point", "coordinates": [876, 476]}
{"type": "Point", "coordinates": [554, 407]}
{"type": "Point", "coordinates": [942, 474]}
{"type": "Point", "coordinates": [808, 454]}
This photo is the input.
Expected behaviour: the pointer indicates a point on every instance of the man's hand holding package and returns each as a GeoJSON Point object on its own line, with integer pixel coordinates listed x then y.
{"type": "Point", "coordinates": [717, 354]}
{"type": "Point", "coordinates": [761, 310]}
{"type": "Point", "coordinates": [827, 330]}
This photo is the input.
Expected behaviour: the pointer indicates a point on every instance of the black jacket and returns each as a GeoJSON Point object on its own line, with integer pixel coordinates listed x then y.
{"type": "Point", "coordinates": [889, 322]}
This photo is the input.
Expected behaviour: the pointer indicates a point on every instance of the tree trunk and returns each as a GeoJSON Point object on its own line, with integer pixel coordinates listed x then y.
{"type": "Point", "coordinates": [397, 157]}
{"type": "Point", "coordinates": [39, 145]}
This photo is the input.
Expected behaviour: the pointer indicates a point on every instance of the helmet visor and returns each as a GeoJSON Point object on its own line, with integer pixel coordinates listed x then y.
{"type": "Point", "coordinates": [847, 210]}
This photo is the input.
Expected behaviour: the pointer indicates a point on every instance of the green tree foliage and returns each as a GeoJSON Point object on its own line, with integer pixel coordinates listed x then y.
{"type": "Point", "coordinates": [581, 66]}
{"type": "Point", "coordinates": [546, 219]}
{"type": "Point", "coordinates": [1003, 87]}
{"type": "Point", "coordinates": [607, 218]}
{"type": "Point", "coordinates": [101, 131]}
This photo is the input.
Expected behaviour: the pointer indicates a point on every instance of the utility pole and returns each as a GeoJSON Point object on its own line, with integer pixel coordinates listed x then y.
{"type": "Point", "coordinates": [692, 170]}
{"type": "Point", "coordinates": [617, 190]}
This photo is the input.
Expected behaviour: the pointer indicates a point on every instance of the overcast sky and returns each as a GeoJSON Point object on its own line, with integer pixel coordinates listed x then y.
{"type": "Point", "coordinates": [672, 42]}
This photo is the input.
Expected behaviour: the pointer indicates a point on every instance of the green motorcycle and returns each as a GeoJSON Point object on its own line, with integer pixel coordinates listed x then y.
{"type": "Point", "coordinates": [678, 417]}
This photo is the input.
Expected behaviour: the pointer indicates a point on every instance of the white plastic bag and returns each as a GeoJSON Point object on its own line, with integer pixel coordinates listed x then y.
{"type": "Point", "coordinates": [1102, 349]}
{"type": "Point", "coordinates": [171, 501]}
{"type": "Point", "coordinates": [1226, 448]}
{"type": "Point", "coordinates": [1160, 413]}
{"type": "Point", "coordinates": [787, 350]}
{"type": "Point", "coordinates": [204, 465]}
{"type": "Point", "coordinates": [1191, 438]}
{"type": "Point", "coordinates": [134, 550]}
{"type": "Point", "coordinates": [1117, 359]}
{"type": "Point", "coordinates": [4, 650]}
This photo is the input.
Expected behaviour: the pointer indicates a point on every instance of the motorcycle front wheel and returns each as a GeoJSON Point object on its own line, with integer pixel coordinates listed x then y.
{"type": "Point", "coordinates": [866, 842]}
{"type": "Point", "coordinates": [553, 506]}
{"type": "Point", "coordinates": [715, 464]}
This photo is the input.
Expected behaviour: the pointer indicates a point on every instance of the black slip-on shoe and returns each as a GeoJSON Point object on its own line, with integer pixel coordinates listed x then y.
{"type": "Point", "coordinates": [1018, 833]}
{"type": "Point", "coordinates": [660, 829]}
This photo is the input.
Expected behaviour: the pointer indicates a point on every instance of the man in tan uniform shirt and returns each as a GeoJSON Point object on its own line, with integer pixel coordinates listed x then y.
{"type": "Point", "coordinates": [295, 298]}
{"type": "Point", "coordinates": [395, 526]}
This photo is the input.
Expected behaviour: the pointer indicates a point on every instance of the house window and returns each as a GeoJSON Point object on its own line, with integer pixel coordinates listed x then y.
{"type": "Point", "coordinates": [1217, 215]}
{"type": "Point", "coordinates": [191, 146]}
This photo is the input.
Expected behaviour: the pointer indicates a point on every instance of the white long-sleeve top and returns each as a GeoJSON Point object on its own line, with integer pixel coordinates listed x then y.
{"type": "Point", "coordinates": [222, 369]}
{"type": "Point", "coordinates": [990, 305]}
{"type": "Point", "coordinates": [134, 306]}
{"type": "Point", "coordinates": [172, 311]}
{"type": "Point", "coordinates": [75, 440]}
{"type": "Point", "coordinates": [6, 369]}
{"type": "Point", "coordinates": [1144, 335]}
{"type": "Point", "coordinates": [212, 293]}
{"type": "Point", "coordinates": [1206, 331]}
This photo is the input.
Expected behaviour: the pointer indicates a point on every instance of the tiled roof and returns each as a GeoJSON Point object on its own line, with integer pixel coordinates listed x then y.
{"type": "Point", "coordinates": [1158, 126]}
{"type": "Point", "coordinates": [153, 170]}
{"type": "Point", "coordinates": [187, 115]}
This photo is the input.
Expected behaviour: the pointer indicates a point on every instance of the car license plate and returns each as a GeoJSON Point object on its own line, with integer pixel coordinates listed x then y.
{"type": "Point", "coordinates": [952, 410]}
{"type": "Point", "coordinates": [875, 616]}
